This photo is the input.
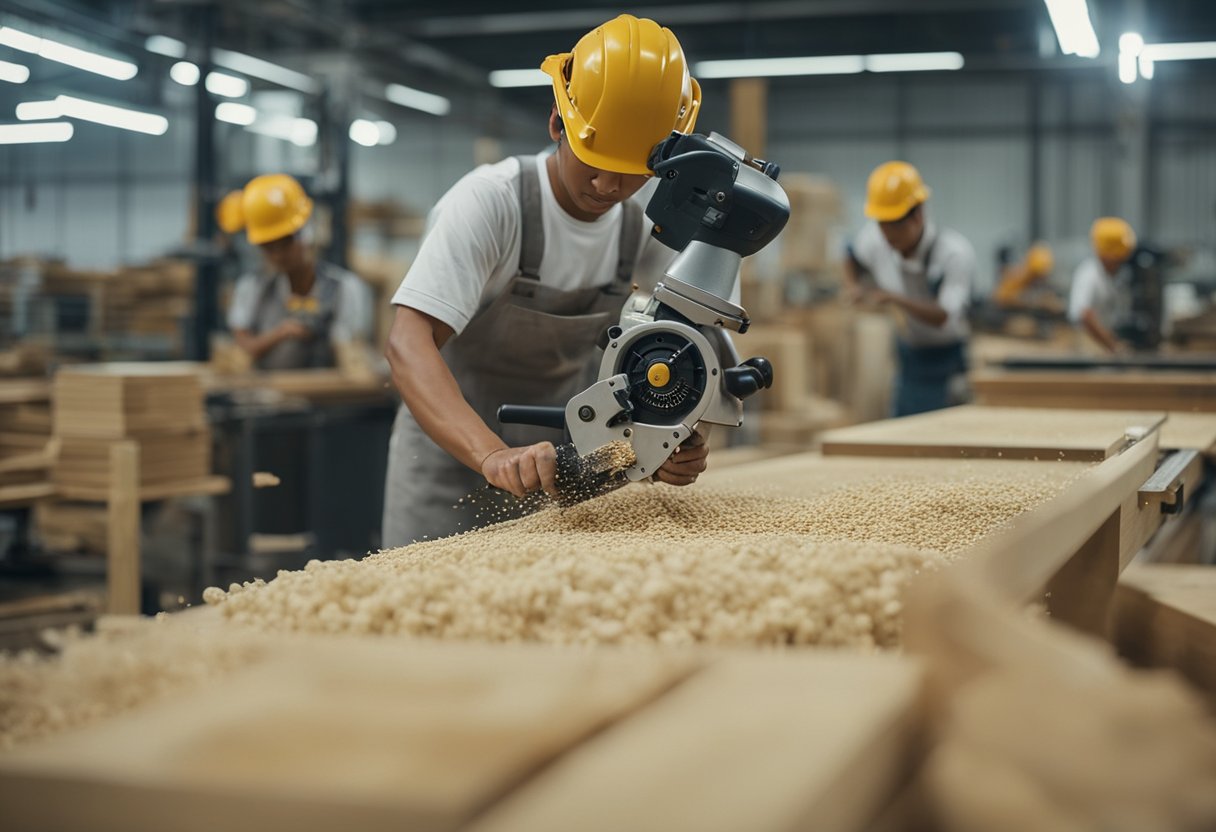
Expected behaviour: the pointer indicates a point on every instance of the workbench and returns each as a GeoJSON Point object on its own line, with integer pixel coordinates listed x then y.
{"type": "Point", "coordinates": [324, 732]}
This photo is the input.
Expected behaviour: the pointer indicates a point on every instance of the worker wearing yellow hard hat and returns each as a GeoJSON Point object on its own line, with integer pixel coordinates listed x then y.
{"type": "Point", "coordinates": [1024, 283]}
{"type": "Point", "coordinates": [1100, 283]}
{"type": "Point", "coordinates": [291, 316]}
{"type": "Point", "coordinates": [525, 263]}
{"type": "Point", "coordinates": [902, 259]}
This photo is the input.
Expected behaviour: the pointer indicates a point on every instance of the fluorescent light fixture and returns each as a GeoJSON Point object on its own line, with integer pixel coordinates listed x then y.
{"type": "Point", "coordinates": [1131, 42]}
{"type": "Point", "coordinates": [519, 78]}
{"type": "Point", "coordinates": [38, 110]}
{"type": "Point", "coordinates": [772, 67]}
{"type": "Point", "coordinates": [364, 132]}
{"type": "Point", "coordinates": [14, 73]}
{"type": "Point", "coordinates": [169, 47]}
{"type": "Point", "coordinates": [1198, 51]}
{"type": "Point", "coordinates": [299, 131]}
{"type": "Point", "coordinates": [427, 102]}
{"type": "Point", "coordinates": [229, 86]}
{"type": "Point", "coordinates": [388, 132]}
{"type": "Point", "coordinates": [1127, 67]}
{"type": "Point", "coordinates": [1074, 30]}
{"type": "Point", "coordinates": [69, 106]}
{"type": "Point", "coordinates": [915, 62]}
{"type": "Point", "coordinates": [71, 56]}
{"type": "Point", "coordinates": [1146, 67]}
{"type": "Point", "coordinates": [46, 131]}
{"type": "Point", "coordinates": [233, 113]}
{"type": "Point", "coordinates": [184, 73]}
{"type": "Point", "coordinates": [258, 68]}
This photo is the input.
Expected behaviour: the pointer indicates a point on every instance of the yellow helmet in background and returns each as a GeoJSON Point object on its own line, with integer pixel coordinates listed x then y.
{"type": "Point", "coordinates": [1113, 238]}
{"type": "Point", "coordinates": [622, 90]}
{"type": "Point", "coordinates": [274, 207]}
{"type": "Point", "coordinates": [230, 213]}
{"type": "Point", "coordinates": [1039, 260]}
{"type": "Point", "coordinates": [894, 189]}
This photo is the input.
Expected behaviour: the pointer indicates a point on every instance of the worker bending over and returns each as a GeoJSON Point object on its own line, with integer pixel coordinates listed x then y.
{"type": "Point", "coordinates": [293, 316]}
{"type": "Point", "coordinates": [524, 265]}
{"type": "Point", "coordinates": [1100, 285]}
{"type": "Point", "coordinates": [902, 259]}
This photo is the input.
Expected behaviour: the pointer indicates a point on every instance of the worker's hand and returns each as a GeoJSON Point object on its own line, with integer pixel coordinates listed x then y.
{"type": "Point", "coordinates": [689, 460]}
{"type": "Point", "coordinates": [522, 470]}
{"type": "Point", "coordinates": [291, 328]}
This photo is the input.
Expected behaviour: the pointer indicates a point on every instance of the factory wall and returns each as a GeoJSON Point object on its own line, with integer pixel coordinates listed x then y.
{"type": "Point", "coordinates": [109, 196]}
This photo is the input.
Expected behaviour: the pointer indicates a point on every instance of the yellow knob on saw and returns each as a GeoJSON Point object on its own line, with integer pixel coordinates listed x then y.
{"type": "Point", "coordinates": [659, 374]}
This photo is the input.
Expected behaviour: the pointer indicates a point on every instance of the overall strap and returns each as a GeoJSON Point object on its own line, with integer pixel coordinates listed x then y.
{"type": "Point", "coordinates": [531, 219]}
{"type": "Point", "coordinates": [631, 240]}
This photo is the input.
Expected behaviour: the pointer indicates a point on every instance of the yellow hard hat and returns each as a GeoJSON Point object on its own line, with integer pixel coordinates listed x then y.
{"type": "Point", "coordinates": [1039, 260]}
{"type": "Point", "coordinates": [622, 90]}
{"type": "Point", "coordinates": [230, 213]}
{"type": "Point", "coordinates": [274, 206]}
{"type": "Point", "coordinates": [894, 189]}
{"type": "Point", "coordinates": [1113, 238]}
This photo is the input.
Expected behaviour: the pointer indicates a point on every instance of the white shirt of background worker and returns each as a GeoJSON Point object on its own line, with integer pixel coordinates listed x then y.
{"type": "Point", "coordinates": [903, 259]}
{"type": "Point", "coordinates": [525, 264]}
{"type": "Point", "coordinates": [291, 317]}
{"type": "Point", "coordinates": [1099, 285]}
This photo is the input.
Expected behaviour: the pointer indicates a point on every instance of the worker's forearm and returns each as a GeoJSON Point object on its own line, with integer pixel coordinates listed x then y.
{"type": "Point", "coordinates": [925, 311]}
{"type": "Point", "coordinates": [1099, 332]}
{"type": "Point", "coordinates": [255, 345]}
{"type": "Point", "coordinates": [431, 393]}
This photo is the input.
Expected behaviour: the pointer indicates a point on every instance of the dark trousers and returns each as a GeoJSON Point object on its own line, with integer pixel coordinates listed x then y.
{"type": "Point", "coordinates": [923, 379]}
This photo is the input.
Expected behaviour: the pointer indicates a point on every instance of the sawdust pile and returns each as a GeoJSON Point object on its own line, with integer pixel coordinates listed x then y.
{"type": "Point", "coordinates": [657, 564]}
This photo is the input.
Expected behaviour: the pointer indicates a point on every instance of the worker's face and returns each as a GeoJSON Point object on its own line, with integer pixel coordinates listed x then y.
{"type": "Point", "coordinates": [285, 254]}
{"type": "Point", "coordinates": [590, 190]}
{"type": "Point", "coordinates": [1113, 264]}
{"type": "Point", "coordinates": [904, 234]}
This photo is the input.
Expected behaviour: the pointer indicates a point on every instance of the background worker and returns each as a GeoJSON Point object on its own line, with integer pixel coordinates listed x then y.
{"type": "Point", "coordinates": [1100, 285]}
{"type": "Point", "coordinates": [524, 265]}
{"type": "Point", "coordinates": [902, 259]}
{"type": "Point", "coordinates": [297, 314]}
{"type": "Point", "coordinates": [1024, 283]}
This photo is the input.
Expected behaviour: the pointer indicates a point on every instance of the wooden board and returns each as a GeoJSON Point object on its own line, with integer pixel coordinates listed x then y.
{"type": "Point", "coordinates": [85, 462]}
{"type": "Point", "coordinates": [750, 743]}
{"type": "Point", "coordinates": [24, 391]}
{"type": "Point", "coordinates": [207, 486]}
{"type": "Point", "coordinates": [350, 734]}
{"type": "Point", "coordinates": [1096, 389]}
{"type": "Point", "coordinates": [1165, 616]}
{"type": "Point", "coordinates": [990, 432]}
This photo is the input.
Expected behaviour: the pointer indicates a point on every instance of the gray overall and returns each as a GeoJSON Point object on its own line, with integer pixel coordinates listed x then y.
{"type": "Point", "coordinates": [293, 353]}
{"type": "Point", "coordinates": [532, 345]}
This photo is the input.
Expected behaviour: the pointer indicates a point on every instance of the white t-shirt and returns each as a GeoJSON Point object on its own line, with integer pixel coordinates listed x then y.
{"type": "Point", "coordinates": [352, 315]}
{"type": "Point", "coordinates": [472, 246]}
{"type": "Point", "coordinates": [951, 260]}
{"type": "Point", "coordinates": [1092, 288]}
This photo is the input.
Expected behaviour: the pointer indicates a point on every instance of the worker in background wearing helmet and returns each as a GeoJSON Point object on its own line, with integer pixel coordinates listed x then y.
{"type": "Point", "coordinates": [1099, 285]}
{"type": "Point", "coordinates": [524, 265]}
{"type": "Point", "coordinates": [903, 259]}
{"type": "Point", "coordinates": [1024, 283]}
{"type": "Point", "coordinates": [290, 317]}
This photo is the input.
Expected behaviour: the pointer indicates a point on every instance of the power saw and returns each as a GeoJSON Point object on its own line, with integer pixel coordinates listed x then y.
{"type": "Point", "coordinates": [669, 363]}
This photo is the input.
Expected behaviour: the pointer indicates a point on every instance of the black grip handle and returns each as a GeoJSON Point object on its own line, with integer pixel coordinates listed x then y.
{"type": "Point", "coordinates": [527, 414]}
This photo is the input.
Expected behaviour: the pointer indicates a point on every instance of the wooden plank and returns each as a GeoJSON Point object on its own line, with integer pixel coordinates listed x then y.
{"type": "Point", "coordinates": [122, 549]}
{"type": "Point", "coordinates": [1098, 390]}
{"type": "Point", "coordinates": [753, 742]}
{"type": "Point", "coordinates": [19, 496]}
{"type": "Point", "coordinates": [24, 391]}
{"type": "Point", "coordinates": [991, 432]}
{"type": "Point", "coordinates": [1165, 616]}
{"type": "Point", "coordinates": [344, 734]}
{"type": "Point", "coordinates": [207, 486]}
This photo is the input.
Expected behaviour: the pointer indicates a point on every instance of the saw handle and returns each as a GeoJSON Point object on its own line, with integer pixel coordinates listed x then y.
{"type": "Point", "coordinates": [537, 415]}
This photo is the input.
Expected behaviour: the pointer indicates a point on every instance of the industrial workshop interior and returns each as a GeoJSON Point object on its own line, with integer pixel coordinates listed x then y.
{"type": "Point", "coordinates": [538, 416]}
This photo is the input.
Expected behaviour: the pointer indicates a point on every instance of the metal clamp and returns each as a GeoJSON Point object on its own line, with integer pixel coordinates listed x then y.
{"type": "Point", "coordinates": [1166, 486]}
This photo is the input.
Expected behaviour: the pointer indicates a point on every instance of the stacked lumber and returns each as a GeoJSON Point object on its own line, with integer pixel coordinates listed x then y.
{"type": "Point", "coordinates": [25, 440]}
{"type": "Point", "coordinates": [158, 405]}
